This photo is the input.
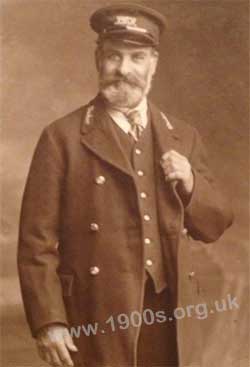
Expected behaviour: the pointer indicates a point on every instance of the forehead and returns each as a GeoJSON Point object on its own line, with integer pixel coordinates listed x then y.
{"type": "Point", "coordinates": [122, 47]}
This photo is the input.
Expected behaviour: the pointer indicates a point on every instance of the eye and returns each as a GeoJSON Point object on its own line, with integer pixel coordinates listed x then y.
{"type": "Point", "coordinates": [138, 57]}
{"type": "Point", "coordinates": [112, 56]}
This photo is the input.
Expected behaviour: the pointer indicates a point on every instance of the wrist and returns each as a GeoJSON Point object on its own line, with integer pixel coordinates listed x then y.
{"type": "Point", "coordinates": [188, 185]}
{"type": "Point", "coordinates": [48, 327]}
{"type": "Point", "coordinates": [185, 189]}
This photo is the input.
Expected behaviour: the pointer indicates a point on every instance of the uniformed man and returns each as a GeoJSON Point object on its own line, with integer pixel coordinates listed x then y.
{"type": "Point", "coordinates": [110, 189]}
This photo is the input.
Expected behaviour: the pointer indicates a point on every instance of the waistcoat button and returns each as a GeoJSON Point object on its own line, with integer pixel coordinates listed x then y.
{"type": "Point", "coordinates": [191, 274]}
{"type": "Point", "coordinates": [149, 262]}
{"type": "Point", "coordinates": [140, 173]}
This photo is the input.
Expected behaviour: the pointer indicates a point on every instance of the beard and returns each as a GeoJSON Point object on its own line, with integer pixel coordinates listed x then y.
{"type": "Point", "coordinates": [124, 91]}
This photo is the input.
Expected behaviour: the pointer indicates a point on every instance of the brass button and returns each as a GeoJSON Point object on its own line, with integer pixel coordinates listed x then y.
{"type": "Point", "coordinates": [143, 195]}
{"type": "Point", "coordinates": [100, 180]}
{"type": "Point", "coordinates": [149, 262]}
{"type": "Point", "coordinates": [184, 231]}
{"type": "Point", "coordinates": [94, 270]}
{"type": "Point", "coordinates": [138, 151]}
{"type": "Point", "coordinates": [147, 241]}
{"type": "Point", "coordinates": [94, 227]}
{"type": "Point", "coordinates": [191, 274]}
{"type": "Point", "coordinates": [140, 173]}
{"type": "Point", "coordinates": [146, 217]}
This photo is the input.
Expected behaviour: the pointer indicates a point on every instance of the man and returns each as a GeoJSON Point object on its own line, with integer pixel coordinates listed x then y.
{"type": "Point", "coordinates": [110, 189]}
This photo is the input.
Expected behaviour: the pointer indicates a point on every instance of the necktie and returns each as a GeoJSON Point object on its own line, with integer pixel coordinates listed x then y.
{"type": "Point", "coordinates": [135, 121]}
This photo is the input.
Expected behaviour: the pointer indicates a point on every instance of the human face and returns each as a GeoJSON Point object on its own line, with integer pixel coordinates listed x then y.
{"type": "Point", "coordinates": [125, 73]}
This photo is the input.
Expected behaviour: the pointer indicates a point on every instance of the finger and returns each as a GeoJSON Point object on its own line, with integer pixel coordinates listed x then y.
{"type": "Point", "coordinates": [175, 160]}
{"type": "Point", "coordinates": [177, 175]}
{"type": "Point", "coordinates": [69, 342]}
{"type": "Point", "coordinates": [64, 355]}
{"type": "Point", "coordinates": [168, 163]}
{"type": "Point", "coordinates": [56, 361]}
{"type": "Point", "coordinates": [178, 155]}
{"type": "Point", "coordinates": [41, 353]}
{"type": "Point", "coordinates": [172, 154]}
{"type": "Point", "coordinates": [47, 358]}
{"type": "Point", "coordinates": [173, 163]}
{"type": "Point", "coordinates": [167, 154]}
{"type": "Point", "coordinates": [169, 167]}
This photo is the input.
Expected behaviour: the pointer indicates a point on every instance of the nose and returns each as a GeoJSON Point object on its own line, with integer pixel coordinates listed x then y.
{"type": "Point", "coordinates": [124, 66]}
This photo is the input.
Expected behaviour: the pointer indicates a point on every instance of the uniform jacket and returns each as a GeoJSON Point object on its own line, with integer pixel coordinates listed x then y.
{"type": "Point", "coordinates": [75, 272]}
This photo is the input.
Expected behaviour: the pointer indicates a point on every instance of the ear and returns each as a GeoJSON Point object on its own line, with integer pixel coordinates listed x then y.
{"type": "Point", "coordinates": [155, 58]}
{"type": "Point", "coordinates": [98, 58]}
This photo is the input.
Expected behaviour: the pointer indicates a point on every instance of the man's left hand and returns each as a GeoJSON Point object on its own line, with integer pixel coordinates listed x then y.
{"type": "Point", "coordinates": [176, 167]}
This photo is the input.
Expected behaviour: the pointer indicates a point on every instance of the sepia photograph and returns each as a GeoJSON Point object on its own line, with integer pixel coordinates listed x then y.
{"type": "Point", "coordinates": [125, 183]}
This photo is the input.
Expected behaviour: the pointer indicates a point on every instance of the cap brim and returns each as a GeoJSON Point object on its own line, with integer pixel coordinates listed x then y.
{"type": "Point", "coordinates": [130, 37]}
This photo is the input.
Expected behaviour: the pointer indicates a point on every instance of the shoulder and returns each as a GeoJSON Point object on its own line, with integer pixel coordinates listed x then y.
{"type": "Point", "coordinates": [183, 128]}
{"type": "Point", "coordinates": [67, 124]}
{"type": "Point", "coordinates": [176, 126]}
{"type": "Point", "coordinates": [67, 129]}
{"type": "Point", "coordinates": [73, 123]}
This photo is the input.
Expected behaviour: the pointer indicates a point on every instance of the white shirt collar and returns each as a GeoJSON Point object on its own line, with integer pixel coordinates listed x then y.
{"type": "Point", "coordinates": [120, 119]}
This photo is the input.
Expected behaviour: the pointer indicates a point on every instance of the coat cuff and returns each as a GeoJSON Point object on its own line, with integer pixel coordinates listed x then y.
{"type": "Point", "coordinates": [205, 215]}
{"type": "Point", "coordinates": [50, 319]}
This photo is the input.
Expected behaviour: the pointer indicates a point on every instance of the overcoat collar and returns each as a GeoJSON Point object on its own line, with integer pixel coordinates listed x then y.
{"type": "Point", "coordinates": [96, 135]}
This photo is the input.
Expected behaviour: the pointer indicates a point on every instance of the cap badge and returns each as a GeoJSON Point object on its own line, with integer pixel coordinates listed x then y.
{"type": "Point", "coordinates": [125, 21]}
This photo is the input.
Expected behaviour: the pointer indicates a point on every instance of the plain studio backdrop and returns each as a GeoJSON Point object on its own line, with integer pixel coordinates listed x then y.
{"type": "Point", "coordinates": [48, 70]}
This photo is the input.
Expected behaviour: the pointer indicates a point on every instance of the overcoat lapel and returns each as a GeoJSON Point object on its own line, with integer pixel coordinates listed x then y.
{"type": "Point", "coordinates": [97, 136]}
{"type": "Point", "coordinates": [166, 135]}
{"type": "Point", "coordinates": [170, 208]}
{"type": "Point", "coordinates": [166, 138]}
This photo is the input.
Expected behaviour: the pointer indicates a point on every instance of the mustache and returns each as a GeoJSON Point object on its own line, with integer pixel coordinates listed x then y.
{"type": "Point", "coordinates": [132, 80]}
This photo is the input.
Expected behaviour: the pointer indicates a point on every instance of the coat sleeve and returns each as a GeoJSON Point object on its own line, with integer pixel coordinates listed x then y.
{"type": "Point", "coordinates": [38, 256]}
{"type": "Point", "coordinates": [208, 213]}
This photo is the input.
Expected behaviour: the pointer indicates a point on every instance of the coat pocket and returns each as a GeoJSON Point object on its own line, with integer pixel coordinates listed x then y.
{"type": "Point", "coordinates": [67, 284]}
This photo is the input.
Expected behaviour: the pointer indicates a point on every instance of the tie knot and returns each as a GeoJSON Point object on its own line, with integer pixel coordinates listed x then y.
{"type": "Point", "coordinates": [136, 126]}
{"type": "Point", "coordinates": [134, 118]}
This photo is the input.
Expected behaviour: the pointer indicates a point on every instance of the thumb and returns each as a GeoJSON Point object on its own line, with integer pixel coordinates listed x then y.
{"type": "Point", "coordinates": [69, 342]}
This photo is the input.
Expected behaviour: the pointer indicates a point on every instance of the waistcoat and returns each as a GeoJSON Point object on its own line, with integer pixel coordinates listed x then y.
{"type": "Point", "coordinates": [141, 156]}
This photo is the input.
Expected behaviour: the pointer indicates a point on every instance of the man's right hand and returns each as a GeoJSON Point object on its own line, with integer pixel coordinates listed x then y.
{"type": "Point", "coordinates": [54, 343]}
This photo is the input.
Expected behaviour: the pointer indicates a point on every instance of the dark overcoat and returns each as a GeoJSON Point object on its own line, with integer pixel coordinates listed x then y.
{"type": "Point", "coordinates": [80, 251]}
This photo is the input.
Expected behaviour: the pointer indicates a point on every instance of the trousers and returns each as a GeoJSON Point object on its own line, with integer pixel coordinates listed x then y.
{"type": "Point", "coordinates": [157, 345]}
